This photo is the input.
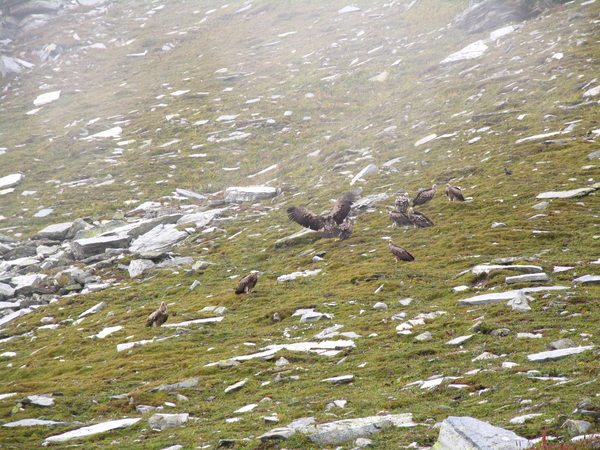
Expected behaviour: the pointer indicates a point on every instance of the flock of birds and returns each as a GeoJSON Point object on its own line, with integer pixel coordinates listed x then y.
{"type": "Point", "coordinates": [336, 224]}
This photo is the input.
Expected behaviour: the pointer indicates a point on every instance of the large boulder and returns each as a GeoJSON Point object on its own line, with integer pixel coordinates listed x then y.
{"type": "Point", "coordinates": [83, 248]}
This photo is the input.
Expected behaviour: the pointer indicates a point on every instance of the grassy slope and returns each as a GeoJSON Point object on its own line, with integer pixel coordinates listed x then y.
{"type": "Point", "coordinates": [348, 117]}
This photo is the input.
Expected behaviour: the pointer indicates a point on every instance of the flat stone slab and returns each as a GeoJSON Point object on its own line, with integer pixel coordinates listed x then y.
{"type": "Point", "coordinates": [165, 421]}
{"type": "Point", "coordinates": [249, 194]}
{"type": "Point", "coordinates": [187, 323]}
{"type": "Point", "coordinates": [93, 429]}
{"type": "Point", "coordinates": [56, 232]}
{"type": "Point", "coordinates": [586, 279]}
{"type": "Point", "coordinates": [488, 268]}
{"type": "Point", "coordinates": [467, 433]}
{"type": "Point", "coordinates": [528, 278]}
{"type": "Point", "coordinates": [40, 422]}
{"type": "Point", "coordinates": [83, 248]}
{"type": "Point", "coordinates": [201, 219]}
{"type": "Point", "coordinates": [159, 237]}
{"type": "Point", "coordinates": [459, 340]}
{"type": "Point", "coordinates": [192, 382]}
{"type": "Point", "coordinates": [497, 297]}
{"type": "Point", "coordinates": [11, 180]}
{"type": "Point", "coordinates": [574, 193]}
{"type": "Point", "coordinates": [292, 276]}
{"type": "Point", "coordinates": [339, 380]}
{"type": "Point", "coordinates": [552, 355]}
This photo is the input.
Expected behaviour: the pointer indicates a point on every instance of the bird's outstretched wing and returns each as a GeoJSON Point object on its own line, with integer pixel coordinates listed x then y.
{"type": "Point", "coordinates": [305, 217]}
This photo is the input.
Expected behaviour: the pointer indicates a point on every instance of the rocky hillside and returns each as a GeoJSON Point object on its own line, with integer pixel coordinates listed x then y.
{"type": "Point", "coordinates": [152, 153]}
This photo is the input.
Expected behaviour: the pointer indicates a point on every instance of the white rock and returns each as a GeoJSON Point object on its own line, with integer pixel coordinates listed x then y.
{"type": "Point", "coordinates": [249, 193]}
{"type": "Point", "coordinates": [11, 180]}
{"type": "Point", "coordinates": [139, 266]}
{"type": "Point", "coordinates": [425, 140]}
{"type": "Point", "coordinates": [459, 340]}
{"type": "Point", "coordinates": [93, 310]}
{"type": "Point", "coordinates": [522, 419]}
{"type": "Point", "coordinates": [46, 98]}
{"type": "Point", "coordinates": [552, 355]}
{"type": "Point", "coordinates": [292, 276]}
{"type": "Point", "coordinates": [371, 168]}
{"type": "Point", "coordinates": [94, 429]}
{"type": "Point", "coordinates": [159, 237]}
{"type": "Point", "coordinates": [592, 92]}
{"type": "Point", "coordinates": [574, 193]}
{"type": "Point", "coordinates": [245, 409]}
{"type": "Point", "coordinates": [471, 51]}
{"type": "Point", "coordinates": [348, 9]}
{"type": "Point", "coordinates": [497, 297]}
{"type": "Point", "coordinates": [105, 332]}
{"type": "Point", "coordinates": [468, 433]}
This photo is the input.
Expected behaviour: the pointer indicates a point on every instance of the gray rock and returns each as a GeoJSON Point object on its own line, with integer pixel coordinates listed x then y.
{"type": "Point", "coordinates": [594, 155]}
{"type": "Point", "coordinates": [236, 386]}
{"type": "Point", "coordinates": [191, 194]}
{"type": "Point", "coordinates": [561, 344]}
{"type": "Point", "coordinates": [201, 265]}
{"type": "Point", "coordinates": [528, 278]}
{"type": "Point", "coordinates": [192, 382]}
{"type": "Point", "coordinates": [139, 266]}
{"type": "Point", "coordinates": [22, 9]}
{"type": "Point", "coordinates": [24, 284]}
{"type": "Point", "coordinates": [576, 427]}
{"type": "Point", "coordinates": [462, 433]}
{"type": "Point", "coordinates": [541, 205]}
{"type": "Point", "coordinates": [424, 337]}
{"type": "Point", "coordinates": [40, 422]}
{"type": "Point", "coordinates": [164, 421]}
{"type": "Point", "coordinates": [371, 168]}
{"type": "Point", "coordinates": [574, 193]}
{"type": "Point", "coordinates": [201, 219]}
{"type": "Point", "coordinates": [6, 291]}
{"type": "Point", "coordinates": [553, 355]}
{"type": "Point", "coordinates": [136, 229]}
{"type": "Point", "coordinates": [56, 232]}
{"type": "Point", "coordinates": [586, 279]}
{"type": "Point", "coordinates": [249, 194]}
{"type": "Point", "coordinates": [93, 310]}
{"type": "Point", "coordinates": [339, 436]}
{"type": "Point", "coordinates": [343, 379]}
{"type": "Point", "coordinates": [175, 262]}
{"type": "Point", "coordinates": [38, 400]}
{"type": "Point", "coordinates": [519, 302]}
{"type": "Point", "coordinates": [278, 433]}
{"type": "Point", "coordinates": [380, 305]}
{"type": "Point", "coordinates": [143, 409]}
{"type": "Point", "coordinates": [159, 237]}
{"type": "Point", "coordinates": [83, 248]}
{"type": "Point", "coordinates": [11, 180]}
{"type": "Point", "coordinates": [489, 268]}
{"type": "Point", "coordinates": [459, 340]}
{"type": "Point", "coordinates": [91, 430]}
{"type": "Point", "coordinates": [497, 297]}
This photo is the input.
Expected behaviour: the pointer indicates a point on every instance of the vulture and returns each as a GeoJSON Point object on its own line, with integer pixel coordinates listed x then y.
{"type": "Point", "coordinates": [329, 223]}
{"type": "Point", "coordinates": [400, 253]}
{"type": "Point", "coordinates": [399, 219]}
{"type": "Point", "coordinates": [454, 194]}
{"type": "Point", "coordinates": [345, 230]}
{"type": "Point", "coordinates": [402, 203]}
{"type": "Point", "coordinates": [247, 283]}
{"type": "Point", "coordinates": [418, 219]}
{"type": "Point", "coordinates": [425, 196]}
{"type": "Point", "coordinates": [158, 317]}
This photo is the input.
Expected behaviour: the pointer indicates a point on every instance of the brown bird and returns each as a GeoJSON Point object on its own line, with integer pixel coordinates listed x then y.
{"type": "Point", "coordinates": [418, 219]}
{"type": "Point", "coordinates": [328, 223]}
{"type": "Point", "coordinates": [400, 253]}
{"type": "Point", "coordinates": [454, 193]}
{"type": "Point", "coordinates": [345, 230]}
{"type": "Point", "coordinates": [158, 317]}
{"type": "Point", "coordinates": [247, 283]}
{"type": "Point", "coordinates": [402, 203]}
{"type": "Point", "coordinates": [425, 196]}
{"type": "Point", "coordinates": [399, 219]}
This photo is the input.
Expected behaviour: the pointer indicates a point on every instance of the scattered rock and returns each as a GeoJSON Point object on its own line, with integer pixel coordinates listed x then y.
{"type": "Point", "coordinates": [467, 432]}
{"type": "Point", "coordinates": [93, 429]}
{"type": "Point", "coordinates": [249, 194]}
{"type": "Point", "coordinates": [164, 421]}
{"type": "Point", "coordinates": [553, 355]}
